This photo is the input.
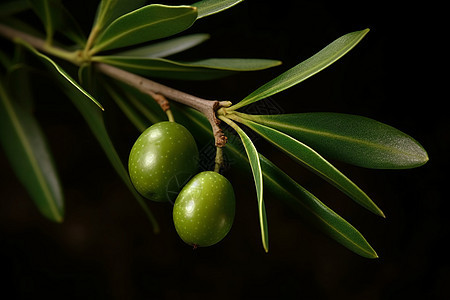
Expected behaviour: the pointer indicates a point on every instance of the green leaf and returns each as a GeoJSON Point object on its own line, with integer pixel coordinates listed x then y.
{"type": "Point", "coordinates": [27, 151]}
{"type": "Point", "coordinates": [94, 119]}
{"type": "Point", "coordinates": [209, 7]}
{"type": "Point", "coordinates": [199, 70]}
{"type": "Point", "coordinates": [314, 211]}
{"type": "Point", "coordinates": [18, 80]}
{"type": "Point", "coordinates": [312, 160]}
{"type": "Point", "coordinates": [352, 139]}
{"type": "Point", "coordinates": [145, 24]}
{"type": "Point", "coordinates": [253, 158]}
{"type": "Point", "coordinates": [284, 188]}
{"type": "Point", "coordinates": [305, 69]}
{"type": "Point", "coordinates": [109, 10]}
{"type": "Point", "coordinates": [62, 75]}
{"type": "Point", "coordinates": [55, 17]}
{"type": "Point", "coordinates": [167, 48]}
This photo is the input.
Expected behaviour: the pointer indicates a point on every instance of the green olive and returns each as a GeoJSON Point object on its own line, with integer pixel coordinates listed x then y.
{"type": "Point", "coordinates": [204, 210]}
{"type": "Point", "coordinates": [162, 160]}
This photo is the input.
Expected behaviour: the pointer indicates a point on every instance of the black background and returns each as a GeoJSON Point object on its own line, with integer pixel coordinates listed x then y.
{"type": "Point", "coordinates": [105, 249]}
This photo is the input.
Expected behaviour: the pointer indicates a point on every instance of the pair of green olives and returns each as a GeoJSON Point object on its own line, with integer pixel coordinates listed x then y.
{"type": "Point", "coordinates": [163, 161]}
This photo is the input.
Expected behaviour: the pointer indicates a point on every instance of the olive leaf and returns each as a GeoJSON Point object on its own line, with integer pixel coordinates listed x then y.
{"type": "Point", "coordinates": [145, 24]}
{"type": "Point", "coordinates": [28, 153]}
{"type": "Point", "coordinates": [209, 7]}
{"type": "Point", "coordinates": [305, 69]}
{"type": "Point", "coordinates": [314, 211]}
{"type": "Point", "coordinates": [167, 48]}
{"type": "Point", "coordinates": [284, 188]}
{"type": "Point", "coordinates": [62, 75]}
{"type": "Point", "coordinates": [94, 118]}
{"type": "Point", "coordinates": [253, 158]}
{"type": "Point", "coordinates": [313, 161]}
{"type": "Point", "coordinates": [198, 70]}
{"type": "Point", "coordinates": [18, 80]}
{"type": "Point", "coordinates": [353, 139]}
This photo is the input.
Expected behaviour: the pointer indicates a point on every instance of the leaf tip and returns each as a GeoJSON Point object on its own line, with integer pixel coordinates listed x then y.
{"type": "Point", "coordinates": [379, 212]}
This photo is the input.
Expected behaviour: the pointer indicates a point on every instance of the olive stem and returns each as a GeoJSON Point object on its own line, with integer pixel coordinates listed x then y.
{"type": "Point", "coordinates": [38, 43]}
{"type": "Point", "coordinates": [170, 115]}
{"type": "Point", "coordinates": [147, 86]}
{"type": "Point", "coordinates": [92, 37]}
{"type": "Point", "coordinates": [219, 159]}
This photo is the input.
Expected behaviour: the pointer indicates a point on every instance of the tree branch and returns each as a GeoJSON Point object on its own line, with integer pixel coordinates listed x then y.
{"type": "Point", "coordinates": [157, 91]}
{"type": "Point", "coordinates": [150, 87]}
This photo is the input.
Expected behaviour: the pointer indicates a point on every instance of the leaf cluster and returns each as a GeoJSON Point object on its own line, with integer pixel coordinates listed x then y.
{"type": "Point", "coordinates": [141, 38]}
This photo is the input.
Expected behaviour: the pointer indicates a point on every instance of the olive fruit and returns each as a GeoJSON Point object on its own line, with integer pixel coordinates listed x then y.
{"type": "Point", "coordinates": [204, 210]}
{"type": "Point", "coordinates": [162, 160]}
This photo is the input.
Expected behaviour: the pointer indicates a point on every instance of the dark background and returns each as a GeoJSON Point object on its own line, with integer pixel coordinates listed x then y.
{"type": "Point", "coordinates": [105, 249]}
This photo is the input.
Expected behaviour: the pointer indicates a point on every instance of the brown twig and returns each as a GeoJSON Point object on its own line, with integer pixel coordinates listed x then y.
{"type": "Point", "coordinates": [157, 91]}
{"type": "Point", "coordinates": [147, 86]}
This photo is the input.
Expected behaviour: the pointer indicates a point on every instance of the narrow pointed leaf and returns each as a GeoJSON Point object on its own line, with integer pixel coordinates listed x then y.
{"type": "Point", "coordinates": [109, 10]}
{"type": "Point", "coordinates": [145, 24]}
{"type": "Point", "coordinates": [167, 48]}
{"type": "Point", "coordinates": [210, 7]}
{"type": "Point", "coordinates": [198, 70]}
{"type": "Point", "coordinates": [352, 139]}
{"type": "Point", "coordinates": [94, 118]}
{"type": "Point", "coordinates": [312, 160]}
{"type": "Point", "coordinates": [27, 151]}
{"type": "Point", "coordinates": [18, 80]}
{"type": "Point", "coordinates": [305, 69]}
{"type": "Point", "coordinates": [65, 78]}
{"type": "Point", "coordinates": [282, 187]}
{"type": "Point", "coordinates": [314, 211]}
{"type": "Point", "coordinates": [253, 158]}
